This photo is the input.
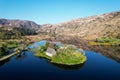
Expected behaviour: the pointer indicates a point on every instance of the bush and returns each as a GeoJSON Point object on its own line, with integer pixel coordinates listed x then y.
{"type": "Point", "coordinates": [105, 40]}
{"type": "Point", "coordinates": [118, 36]}
{"type": "Point", "coordinates": [3, 49]}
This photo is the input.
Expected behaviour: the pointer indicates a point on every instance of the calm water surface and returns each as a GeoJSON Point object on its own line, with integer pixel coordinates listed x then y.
{"type": "Point", "coordinates": [28, 67]}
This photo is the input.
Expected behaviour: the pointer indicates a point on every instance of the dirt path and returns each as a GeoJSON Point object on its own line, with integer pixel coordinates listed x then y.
{"type": "Point", "coordinates": [8, 56]}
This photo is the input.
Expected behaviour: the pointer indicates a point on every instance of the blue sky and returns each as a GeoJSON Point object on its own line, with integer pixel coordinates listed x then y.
{"type": "Point", "coordinates": [55, 11]}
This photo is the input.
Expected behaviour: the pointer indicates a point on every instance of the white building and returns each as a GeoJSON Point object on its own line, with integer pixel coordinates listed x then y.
{"type": "Point", "coordinates": [50, 52]}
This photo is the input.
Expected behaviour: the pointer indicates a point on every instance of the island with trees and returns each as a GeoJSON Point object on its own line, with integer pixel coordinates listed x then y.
{"type": "Point", "coordinates": [61, 54]}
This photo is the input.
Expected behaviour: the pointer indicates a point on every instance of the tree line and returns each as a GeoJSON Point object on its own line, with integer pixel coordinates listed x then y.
{"type": "Point", "coordinates": [16, 32]}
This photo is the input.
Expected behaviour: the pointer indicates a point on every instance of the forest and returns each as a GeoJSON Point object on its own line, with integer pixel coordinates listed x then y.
{"type": "Point", "coordinates": [15, 32]}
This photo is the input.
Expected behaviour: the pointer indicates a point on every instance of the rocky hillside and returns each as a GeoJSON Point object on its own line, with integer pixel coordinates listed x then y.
{"type": "Point", "coordinates": [105, 25]}
{"type": "Point", "coordinates": [19, 23]}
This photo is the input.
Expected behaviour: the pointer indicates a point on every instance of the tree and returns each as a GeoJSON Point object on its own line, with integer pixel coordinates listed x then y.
{"type": "Point", "coordinates": [3, 49]}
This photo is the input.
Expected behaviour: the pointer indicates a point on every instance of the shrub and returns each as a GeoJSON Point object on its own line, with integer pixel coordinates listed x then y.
{"type": "Point", "coordinates": [3, 49]}
{"type": "Point", "coordinates": [118, 36]}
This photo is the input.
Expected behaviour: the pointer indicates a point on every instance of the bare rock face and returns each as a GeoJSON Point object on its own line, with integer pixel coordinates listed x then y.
{"type": "Point", "coordinates": [18, 23]}
{"type": "Point", "coordinates": [105, 25]}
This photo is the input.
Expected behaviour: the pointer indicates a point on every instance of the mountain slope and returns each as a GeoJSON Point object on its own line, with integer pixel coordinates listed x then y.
{"type": "Point", "coordinates": [105, 25]}
{"type": "Point", "coordinates": [19, 23]}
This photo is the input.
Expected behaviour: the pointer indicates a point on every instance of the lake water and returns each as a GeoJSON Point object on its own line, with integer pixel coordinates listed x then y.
{"type": "Point", "coordinates": [28, 67]}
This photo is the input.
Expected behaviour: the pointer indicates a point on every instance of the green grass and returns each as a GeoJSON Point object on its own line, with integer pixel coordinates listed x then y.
{"type": "Point", "coordinates": [110, 40]}
{"type": "Point", "coordinates": [41, 54]}
{"type": "Point", "coordinates": [69, 59]}
{"type": "Point", "coordinates": [7, 45]}
{"type": "Point", "coordinates": [68, 56]}
{"type": "Point", "coordinates": [106, 41]}
{"type": "Point", "coordinates": [0, 45]}
{"type": "Point", "coordinates": [10, 44]}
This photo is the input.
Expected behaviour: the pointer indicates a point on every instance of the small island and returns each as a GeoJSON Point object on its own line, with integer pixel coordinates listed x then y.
{"type": "Point", "coordinates": [61, 54]}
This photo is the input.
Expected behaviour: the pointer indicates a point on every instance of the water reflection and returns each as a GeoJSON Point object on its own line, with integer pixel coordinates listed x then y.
{"type": "Point", "coordinates": [65, 67]}
{"type": "Point", "coordinates": [3, 62]}
{"type": "Point", "coordinates": [21, 56]}
{"type": "Point", "coordinates": [111, 52]}
{"type": "Point", "coordinates": [96, 67]}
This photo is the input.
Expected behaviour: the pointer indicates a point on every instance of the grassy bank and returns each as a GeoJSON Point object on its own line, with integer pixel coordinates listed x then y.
{"type": "Point", "coordinates": [65, 56]}
{"type": "Point", "coordinates": [5, 46]}
{"type": "Point", "coordinates": [106, 42]}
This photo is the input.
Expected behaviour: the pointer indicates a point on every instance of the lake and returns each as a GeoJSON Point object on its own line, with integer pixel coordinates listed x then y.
{"type": "Point", "coordinates": [25, 66]}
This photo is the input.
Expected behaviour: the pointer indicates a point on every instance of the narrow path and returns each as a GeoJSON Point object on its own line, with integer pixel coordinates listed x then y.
{"type": "Point", "coordinates": [16, 51]}
{"type": "Point", "coordinates": [6, 57]}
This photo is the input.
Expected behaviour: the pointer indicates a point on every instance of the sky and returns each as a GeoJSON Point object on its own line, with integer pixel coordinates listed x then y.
{"type": "Point", "coordinates": [55, 11]}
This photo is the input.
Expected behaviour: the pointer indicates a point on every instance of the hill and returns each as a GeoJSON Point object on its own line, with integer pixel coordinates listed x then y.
{"type": "Point", "coordinates": [90, 28]}
{"type": "Point", "coordinates": [19, 23]}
